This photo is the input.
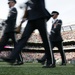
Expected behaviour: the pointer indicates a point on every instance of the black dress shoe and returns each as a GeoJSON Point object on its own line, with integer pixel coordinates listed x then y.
{"type": "Point", "coordinates": [9, 60]}
{"type": "Point", "coordinates": [41, 61]}
{"type": "Point", "coordinates": [63, 64]}
{"type": "Point", "coordinates": [49, 66]}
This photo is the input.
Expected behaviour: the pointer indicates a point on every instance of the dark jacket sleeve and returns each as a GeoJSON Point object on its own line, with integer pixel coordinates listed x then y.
{"type": "Point", "coordinates": [57, 29]}
{"type": "Point", "coordinates": [12, 15]}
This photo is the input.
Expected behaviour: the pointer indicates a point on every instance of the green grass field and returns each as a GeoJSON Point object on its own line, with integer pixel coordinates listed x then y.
{"type": "Point", "coordinates": [35, 69]}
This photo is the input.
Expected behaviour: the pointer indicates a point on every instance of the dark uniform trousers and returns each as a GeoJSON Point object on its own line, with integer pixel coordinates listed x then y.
{"type": "Point", "coordinates": [39, 24]}
{"type": "Point", "coordinates": [4, 40]}
{"type": "Point", "coordinates": [59, 45]}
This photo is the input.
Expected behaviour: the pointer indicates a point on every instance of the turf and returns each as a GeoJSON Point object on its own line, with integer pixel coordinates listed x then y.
{"type": "Point", "coordinates": [35, 69]}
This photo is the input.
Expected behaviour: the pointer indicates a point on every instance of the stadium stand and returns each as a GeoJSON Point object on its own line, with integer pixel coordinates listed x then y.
{"type": "Point", "coordinates": [34, 48]}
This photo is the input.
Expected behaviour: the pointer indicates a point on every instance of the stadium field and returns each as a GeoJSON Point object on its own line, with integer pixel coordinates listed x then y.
{"type": "Point", "coordinates": [35, 69]}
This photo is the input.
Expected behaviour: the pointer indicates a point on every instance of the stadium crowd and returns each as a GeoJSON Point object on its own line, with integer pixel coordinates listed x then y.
{"type": "Point", "coordinates": [35, 38]}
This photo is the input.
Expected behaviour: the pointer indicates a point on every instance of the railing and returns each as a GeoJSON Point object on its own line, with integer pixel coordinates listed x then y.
{"type": "Point", "coordinates": [38, 47]}
{"type": "Point", "coordinates": [68, 27]}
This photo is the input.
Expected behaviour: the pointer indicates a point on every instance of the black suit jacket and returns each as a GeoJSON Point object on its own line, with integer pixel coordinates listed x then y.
{"type": "Point", "coordinates": [11, 20]}
{"type": "Point", "coordinates": [56, 31]}
{"type": "Point", "coordinates": [36, 9]}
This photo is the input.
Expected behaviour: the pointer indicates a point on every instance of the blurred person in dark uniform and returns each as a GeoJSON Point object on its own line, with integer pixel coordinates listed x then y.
{"type": "Point", "coordinates": [9, 29]}
{"type": "Point", "coordinates": [37, 16]}
{"type": "Point", "coordinates": [55, 38]}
